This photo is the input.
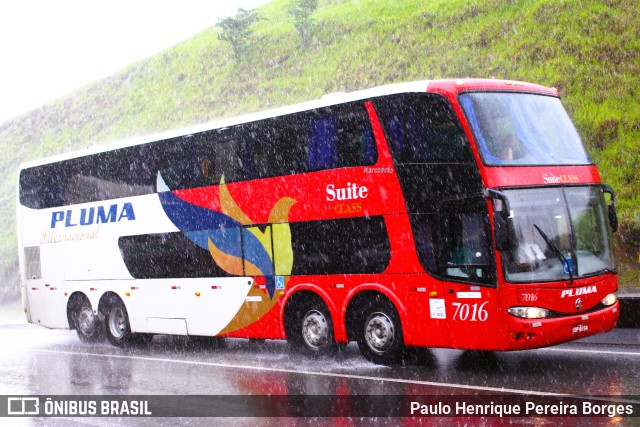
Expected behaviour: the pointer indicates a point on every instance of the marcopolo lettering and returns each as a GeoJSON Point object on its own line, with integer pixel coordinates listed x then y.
{"type": "Point", "coordinates": [93, 215]}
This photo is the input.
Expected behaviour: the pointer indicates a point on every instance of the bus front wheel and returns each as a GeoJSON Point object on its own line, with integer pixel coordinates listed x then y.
{"type": "Point", "coordinates": [380, 339]}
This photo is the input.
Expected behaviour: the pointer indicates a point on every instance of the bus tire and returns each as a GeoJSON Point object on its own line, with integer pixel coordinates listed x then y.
{"type": "Point", "coordinates": [380, 338]}
{"type": "Point", "coordinates": [311, 329]}
{"type": "Point", "coordinates": [116, 322]}
{"type": "Point", "coordinates": [84, 321]}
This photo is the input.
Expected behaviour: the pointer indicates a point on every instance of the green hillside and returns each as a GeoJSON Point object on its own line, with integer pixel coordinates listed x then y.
{"type": "Point", "coordinates": [589, 50]}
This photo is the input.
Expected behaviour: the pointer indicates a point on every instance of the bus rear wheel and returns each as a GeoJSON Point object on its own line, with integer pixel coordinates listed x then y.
{"type": "Point", "coordinates": [380, 339]}
{"type": "Point", "coordinates": [85, 322]}
{"type": "Point", "coordinates": [311, 328]}
{"type": "Point", "coordinates": [116, 322]}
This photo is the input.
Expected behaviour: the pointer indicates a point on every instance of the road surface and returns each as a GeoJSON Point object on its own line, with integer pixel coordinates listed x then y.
{"type": "Point", "coordinates": [38, 361]}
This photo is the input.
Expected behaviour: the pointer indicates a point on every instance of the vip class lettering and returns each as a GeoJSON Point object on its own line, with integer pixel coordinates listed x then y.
{"type": "Point", "coordinates": [93, 215]}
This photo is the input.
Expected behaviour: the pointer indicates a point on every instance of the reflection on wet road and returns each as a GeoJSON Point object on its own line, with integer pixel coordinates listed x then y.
{"type": "Point", "coordinates": [34, 360]}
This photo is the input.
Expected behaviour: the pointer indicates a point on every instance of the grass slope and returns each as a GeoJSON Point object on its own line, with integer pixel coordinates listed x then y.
{"type": "Point", "coordinates": [589, 50]}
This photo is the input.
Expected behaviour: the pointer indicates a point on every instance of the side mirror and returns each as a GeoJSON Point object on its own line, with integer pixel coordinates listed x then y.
{"type": "Point", "coordinates": [501, 220]}
{"type": "Point", "coordinates": [613, 215]}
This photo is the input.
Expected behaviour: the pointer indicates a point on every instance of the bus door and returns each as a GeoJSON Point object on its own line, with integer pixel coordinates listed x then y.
{"type": "Point", "coordinates": [466, 262]}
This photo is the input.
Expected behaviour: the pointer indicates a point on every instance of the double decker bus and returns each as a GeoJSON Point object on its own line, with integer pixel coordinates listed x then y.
{"type": "Point", "coordinates": [457, 213]}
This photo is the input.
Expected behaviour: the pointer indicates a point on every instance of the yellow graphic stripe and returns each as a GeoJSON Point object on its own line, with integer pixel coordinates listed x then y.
{"type": "Point", "coordinates": [232, 264]}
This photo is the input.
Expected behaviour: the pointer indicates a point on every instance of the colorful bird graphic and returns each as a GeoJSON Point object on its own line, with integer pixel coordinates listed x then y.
{"type": "Point", "coordinates": [235, 245]}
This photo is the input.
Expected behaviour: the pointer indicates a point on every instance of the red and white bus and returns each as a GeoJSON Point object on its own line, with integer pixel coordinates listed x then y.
{"type": "Point", "coordinates": [456, 213]}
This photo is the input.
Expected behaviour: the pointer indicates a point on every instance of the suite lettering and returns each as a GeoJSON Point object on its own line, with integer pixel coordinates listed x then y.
{"type": "Point", "coordinates": [93, 215]}
{"type": "Point", "coordinates": [350, 192]}
{"type": "Point", "coordinates": [550, 178]}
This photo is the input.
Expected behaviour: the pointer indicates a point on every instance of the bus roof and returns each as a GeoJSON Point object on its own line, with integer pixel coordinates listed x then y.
{"type": "Point", "coordinates": [452, 87]}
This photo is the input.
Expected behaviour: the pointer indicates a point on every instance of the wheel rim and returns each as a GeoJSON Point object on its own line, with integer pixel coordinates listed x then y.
{"type": "Point", "coordinates": [379, 332]}
{"type": "Point", "coordinates": [315, 329]}
{"type": "Point", "coordinates": [117, 322]}
{"type": "Point", "coordinates": [85, 321]}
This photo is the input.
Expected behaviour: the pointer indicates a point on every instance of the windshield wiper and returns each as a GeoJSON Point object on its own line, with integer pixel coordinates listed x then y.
{"type": "Point", "coordinates": [556, 251]}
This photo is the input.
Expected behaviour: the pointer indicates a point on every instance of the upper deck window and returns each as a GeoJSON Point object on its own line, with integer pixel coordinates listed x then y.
{"type": "Point", "coordinates": [325, 138]}
{"type": "Point", "coordinates": [522, 129]}
{"type": "Point", "coordinates": [422, 128]}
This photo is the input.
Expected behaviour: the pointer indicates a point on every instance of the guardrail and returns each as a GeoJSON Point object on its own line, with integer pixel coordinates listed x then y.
{"type": "Point", "coordinates": [629, 310]}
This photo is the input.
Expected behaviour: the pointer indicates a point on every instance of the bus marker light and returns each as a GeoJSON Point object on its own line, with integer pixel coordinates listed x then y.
{"type": "Point", "coordinates": [93, 289]}
{"type": "Point", "coordinates": [52, 289]}
{"type": "Point", "coordinates": [339, 285]}
{"type": "Point", "coordinates": [197, 294]}
{"type": "Point", "coordinates": [216, 287]}
{"type": "Point", "coordinates": [433, 294]}
{"type": "Point", "coordinates": [133, 288]}
{"type": "Point", "coordinates": [175, 287]}
{"type": "Point", "coordinates": [34, 289]}
{"type": "Point", "coordinates": [66, 294]}
{"type": "Point", "coordinates": [128, 293]}
{"type": "Point", "coordinates": [536, 324]}
{"type": "Point", "coordinates": [281, 293]}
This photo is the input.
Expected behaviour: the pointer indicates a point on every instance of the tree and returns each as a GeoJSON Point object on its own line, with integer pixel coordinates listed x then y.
{"type": "Point", "coordinates": [301, 11]}
{"type": "Point", "coordinates": [235, 30]}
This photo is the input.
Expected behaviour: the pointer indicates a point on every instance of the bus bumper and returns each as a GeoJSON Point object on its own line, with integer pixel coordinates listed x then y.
{"type": "Point", "coordinates": [529, 333]}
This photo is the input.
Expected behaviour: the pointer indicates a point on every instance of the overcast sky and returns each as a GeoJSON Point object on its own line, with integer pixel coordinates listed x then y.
{"type": "Point", "coordinates": [48, 48]}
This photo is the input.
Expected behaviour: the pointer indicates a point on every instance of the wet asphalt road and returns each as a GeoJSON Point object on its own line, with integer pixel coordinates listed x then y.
{"type": "Point", "coordinates": [37, 361]}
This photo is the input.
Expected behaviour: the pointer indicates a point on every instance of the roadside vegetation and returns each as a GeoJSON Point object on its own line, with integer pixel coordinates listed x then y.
{"type": "Point", "coordinates": [588, 49]}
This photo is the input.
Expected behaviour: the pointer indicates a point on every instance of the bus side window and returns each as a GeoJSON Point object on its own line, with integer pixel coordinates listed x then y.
{"type": "Point", "coordinates": [357, 245]}
{"type": "Point", "coordinates": [323, 152]}
{"type": "Point", "coordinates": [422, 128]}
{"type": "Point", "coordinates": [423, 226]}
{"type": "Point", "coordinates": [464, 245]}
{"type": "Point", "coordinates": [355, 140]}
{"type": "Point", "coordinates": [340, 137]}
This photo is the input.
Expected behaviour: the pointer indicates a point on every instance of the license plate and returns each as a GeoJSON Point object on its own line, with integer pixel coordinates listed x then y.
{"type": "Point", "coordinates": [580, 328]}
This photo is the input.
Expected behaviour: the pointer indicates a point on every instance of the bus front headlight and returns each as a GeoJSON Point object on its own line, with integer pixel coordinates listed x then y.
{"type": "Point", "coordinates": [610, 299]}
{"type": "Point", "coordinates": [528, 312]}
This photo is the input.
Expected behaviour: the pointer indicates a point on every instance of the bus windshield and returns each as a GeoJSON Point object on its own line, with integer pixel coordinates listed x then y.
{"type": "Point", "coordinates": [559, 233]}
{"type": "Point", "coordinates": [522, 129]}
